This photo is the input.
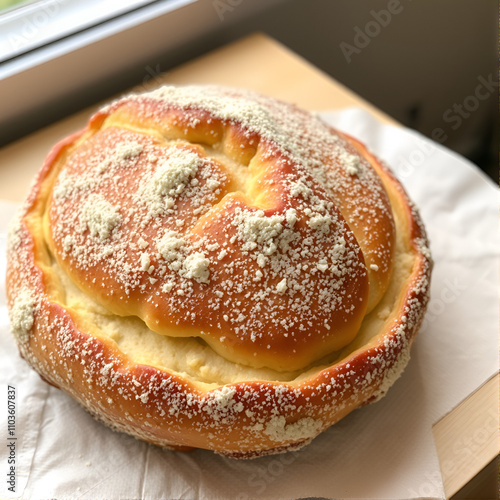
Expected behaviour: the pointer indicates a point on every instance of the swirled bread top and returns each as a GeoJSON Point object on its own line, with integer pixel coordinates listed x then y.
{"type": "Point", "coordinates": [228, 216]}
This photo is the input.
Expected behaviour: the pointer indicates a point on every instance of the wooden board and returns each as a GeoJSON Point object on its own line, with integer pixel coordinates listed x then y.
{"type": "Point", "coordinates": [467, 438]}
{"type": "Point", "coordinates": [259, 63]}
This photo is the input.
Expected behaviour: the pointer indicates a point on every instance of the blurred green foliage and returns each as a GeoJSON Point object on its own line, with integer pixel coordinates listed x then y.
{"type": "Point", "coordinates": [7, 4]}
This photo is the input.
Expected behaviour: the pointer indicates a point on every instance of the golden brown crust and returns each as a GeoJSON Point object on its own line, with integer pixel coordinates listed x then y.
{"type": "Point", "coordinates": [234, 233]}
{"type": "Point", "coordinates": [260, 207]}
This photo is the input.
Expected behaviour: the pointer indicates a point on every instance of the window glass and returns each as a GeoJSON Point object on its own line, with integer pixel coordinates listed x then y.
{"type": "Point", "coordinates": [27, 25]}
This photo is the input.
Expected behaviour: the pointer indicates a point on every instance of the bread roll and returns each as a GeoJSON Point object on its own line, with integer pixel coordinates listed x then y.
{"type": "Point", "coordinates": [204, 267]}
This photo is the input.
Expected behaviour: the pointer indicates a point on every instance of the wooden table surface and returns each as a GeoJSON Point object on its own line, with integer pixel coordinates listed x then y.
{"type": "Point", "coordinates": [260, 63]}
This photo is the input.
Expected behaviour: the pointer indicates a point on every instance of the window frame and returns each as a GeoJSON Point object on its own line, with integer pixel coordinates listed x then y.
{"type": "Point", "coordinates": [63, 76]}
{"type": "Point", "coordinates": [37, 23]}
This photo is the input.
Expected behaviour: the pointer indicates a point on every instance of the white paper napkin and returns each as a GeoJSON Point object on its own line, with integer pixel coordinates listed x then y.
{"type": "Point", "coordinates": [383, 451]}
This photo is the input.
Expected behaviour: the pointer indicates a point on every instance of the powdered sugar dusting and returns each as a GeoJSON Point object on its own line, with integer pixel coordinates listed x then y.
{"type": "Point", "coordinates": [122, 156]}
{"type": "Point", "coordinates": [100, 217]}
{"type": "Point", "coordinates": [170, 245]}
{"type": "Point", "coordinates": [255, 228]}
{"type": "Point", "coordinates": [196, 266]}
{"type": "Point", "coordinates": [169, 181]}
{"type": "Point", "coordinates": [351, 163]}
{"type": "Point", "coordinates": [22, 314]}
{"type": "Point", "coordinates": [14, 232]}
{"type": "Point", "coordinates": [305, 428]}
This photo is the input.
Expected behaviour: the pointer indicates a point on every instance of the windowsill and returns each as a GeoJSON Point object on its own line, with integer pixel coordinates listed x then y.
{"type": "Point", "coordinates": [59, 78]}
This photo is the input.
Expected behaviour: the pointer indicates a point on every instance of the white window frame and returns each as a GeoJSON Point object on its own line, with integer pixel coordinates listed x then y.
{"type": "Point", "coordinates": [35, 24]}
